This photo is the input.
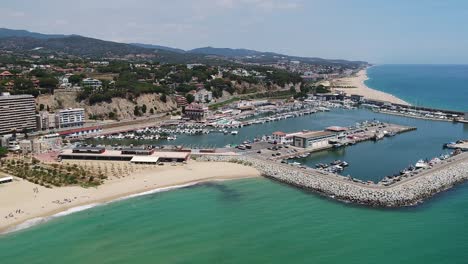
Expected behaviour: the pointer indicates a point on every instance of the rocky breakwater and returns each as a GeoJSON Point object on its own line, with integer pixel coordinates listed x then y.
{"type": "Point", "coordinates": [406, 193]}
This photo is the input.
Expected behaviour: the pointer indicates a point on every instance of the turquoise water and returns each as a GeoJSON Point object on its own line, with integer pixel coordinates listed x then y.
{"type": "Point", "coordinates": [248, 221]}
{"type": "Point", "coordinates": [260, 221]}
{"type": "Point", "coordinates": [439, 86]}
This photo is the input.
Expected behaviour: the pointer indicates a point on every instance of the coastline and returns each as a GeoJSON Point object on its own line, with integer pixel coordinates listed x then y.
{"type": "Point", "coordinates": [39, 206]}
{"type": "Point", "coordinates": [356, 85]}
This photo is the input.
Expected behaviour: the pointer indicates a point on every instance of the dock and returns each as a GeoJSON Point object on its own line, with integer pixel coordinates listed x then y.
{"type": "Point", "coordinates": [350, 137]}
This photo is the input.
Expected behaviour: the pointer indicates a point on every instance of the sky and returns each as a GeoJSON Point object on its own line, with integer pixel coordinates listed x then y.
{"type": "Point", "coordinates": [377, 31]}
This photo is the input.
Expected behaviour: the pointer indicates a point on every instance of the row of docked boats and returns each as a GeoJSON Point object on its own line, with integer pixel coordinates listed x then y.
{"type": "Point", "coordinates": [414, 169]}
{"type": "Point", "coordinates": [336, 166]}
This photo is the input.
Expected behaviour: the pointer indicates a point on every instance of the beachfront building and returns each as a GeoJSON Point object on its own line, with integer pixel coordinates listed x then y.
{"type": "Point", "coordinates": [17, 113]}
{"type": "Point", "coordinates": [72, 117]}
{"type": "Point", "coordinates": [92, 83]}
{"type": "Point", "coordinates": [314, 139]}
{"type": "Point", "coordinates": [196, 112]}
{"type": "Point", "coordinates": [357, 98]}
{"type": "Point", "coordinates": [99, 153]}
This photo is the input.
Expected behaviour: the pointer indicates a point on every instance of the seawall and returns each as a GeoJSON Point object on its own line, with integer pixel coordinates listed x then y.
{"type": "Point", "coordinates": [409, 192]}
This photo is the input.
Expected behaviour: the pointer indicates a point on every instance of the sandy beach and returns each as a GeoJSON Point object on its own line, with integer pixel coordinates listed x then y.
{"type": "Point", "coordinates": [21, 200]}
{"type": "Point", "coordinates": [355, 85]}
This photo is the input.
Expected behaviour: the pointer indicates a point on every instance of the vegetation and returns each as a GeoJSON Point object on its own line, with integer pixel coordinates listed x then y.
{"type": "Point", "coordinates": [3, 151]}
{"type": "Point", "coordinates": [51, 175]}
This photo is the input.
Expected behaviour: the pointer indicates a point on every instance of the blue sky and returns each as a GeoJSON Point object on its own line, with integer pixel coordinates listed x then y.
{"type": "Point", "coordinates": [397, 31]}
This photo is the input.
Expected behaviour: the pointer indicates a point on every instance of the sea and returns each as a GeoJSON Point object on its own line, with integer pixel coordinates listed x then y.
{"type": "Point", "coordinates": [437, 86]}
{"type": "Point", "coordinates": [262, 221]}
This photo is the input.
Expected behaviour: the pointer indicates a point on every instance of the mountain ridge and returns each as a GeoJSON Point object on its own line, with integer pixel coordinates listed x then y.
{"type": "Point", "coordinates": [24, 40]}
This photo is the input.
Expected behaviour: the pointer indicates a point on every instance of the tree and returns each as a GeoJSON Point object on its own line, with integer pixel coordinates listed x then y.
{"type": "Point", "coordinates": [23, 84]}
{"type": "Point", "coordinates": [292, 90]}
{"type": "Point", "coordinates": [163, 98]}
{"type": "Point", "coordinates": [112, 115]}
{"type": "Point", "coordinates": [136, 111]}
{"type": "Point", "coordinates": [143, 109]}
{"type": "Point", "coordinates": [48, 82]}
{"type": "Point", "coordinates": [3, 151]}
{"type": "Point", "coordinates": [75, 78]}
{"type": "Point", "coordinates": [41, 107]}
{"type": "Point", "coordinates": [152, 111]}
{"type": "Point", "coordinates": [190, 98]}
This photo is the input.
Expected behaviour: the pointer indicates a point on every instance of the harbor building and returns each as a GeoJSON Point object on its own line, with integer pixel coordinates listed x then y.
{"type": "Point", "coordinates": [278, 137]}
{"type": "Point", "coordinates": [196, 112]}
{"type": "Point", "coordinates": [72, 117]}
{"type": "Point", "coordinates": [17, 113]}
{"type": "Point", "coordinates": [314, 139]}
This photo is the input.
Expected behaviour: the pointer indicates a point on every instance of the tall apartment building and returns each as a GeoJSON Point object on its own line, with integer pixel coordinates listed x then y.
{"type": "Point", "coordinates": [71, 117]}
{"type": "Point", "coordinates": [17, 112]}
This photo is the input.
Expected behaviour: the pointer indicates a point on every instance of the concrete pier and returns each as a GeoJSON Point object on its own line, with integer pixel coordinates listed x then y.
{"type": "Point", "coordinates": [408, 192]}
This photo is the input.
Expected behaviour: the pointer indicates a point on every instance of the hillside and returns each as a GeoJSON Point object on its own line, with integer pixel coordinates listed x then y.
{"type": "Point", "coordinates": [73, 45]}
{"type": "Point", "coordinates": [26, 42]}
{"type": "Point", "coordinates": [5, 33]}
{"type": "Point", "coordinates": [254, 56]}
{"type": "Point", "coordinates": [226, 52]}
{"type": "Point", "coordinates": [157, 47]}
{"type": "Point", "coordinates": [120, 107]}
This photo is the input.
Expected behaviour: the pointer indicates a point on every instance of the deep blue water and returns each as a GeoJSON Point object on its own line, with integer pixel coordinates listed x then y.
{"type": "Point", "coordinates": [439, 86]}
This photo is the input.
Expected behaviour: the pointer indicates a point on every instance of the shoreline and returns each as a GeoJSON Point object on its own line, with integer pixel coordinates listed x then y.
{"type": "Point", "coordinates": [42, 206]}
{"type": "Point", "coordinates": [356, 85]}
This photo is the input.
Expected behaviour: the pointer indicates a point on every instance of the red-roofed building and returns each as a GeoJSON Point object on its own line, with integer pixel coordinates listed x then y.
{"type": "Point", "coordinates": [196, 112]}
{"type": "Point", "coordinates": [5, 75]}
{"type": "Point", "coordinates": [278, 136]}
{"type": "Point", "coordinates": [181, 101]}
{"type": "Point", "coordinates": [77, 132]}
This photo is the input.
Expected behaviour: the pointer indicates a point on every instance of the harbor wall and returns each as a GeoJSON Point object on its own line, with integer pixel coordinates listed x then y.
{"type": "Point", "coordinates": [406, 193]}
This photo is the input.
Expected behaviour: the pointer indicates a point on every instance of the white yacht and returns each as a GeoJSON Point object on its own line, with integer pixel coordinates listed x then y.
{"type": "Point", "coordinates": [421, 164]}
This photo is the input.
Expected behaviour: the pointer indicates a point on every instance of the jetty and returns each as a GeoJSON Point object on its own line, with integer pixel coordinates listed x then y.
{"type": "Point", "coordinates": [408, 192]}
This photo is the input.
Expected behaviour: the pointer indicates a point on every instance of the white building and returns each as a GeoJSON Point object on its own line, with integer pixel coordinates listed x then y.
{"type": "Point", "coordinates": [64, 83]}
{"type": "Point", "coordinates": [93, 83]}
{"type": "Point", "coordinates": [71, 117]}
{"type": "Point", "coordinates": [203, 96]}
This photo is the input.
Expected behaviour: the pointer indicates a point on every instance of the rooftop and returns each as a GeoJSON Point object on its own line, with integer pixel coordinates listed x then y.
{"type": "Point", "coordinates": [279, 133]}
{"type": "Point", "coordinates": [315, 134]}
